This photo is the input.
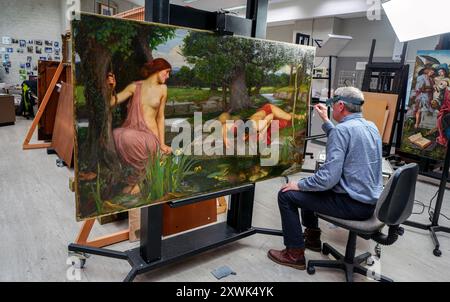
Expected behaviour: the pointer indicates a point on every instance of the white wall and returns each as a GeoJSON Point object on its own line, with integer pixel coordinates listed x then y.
{"type": "Point", "coordinates": [28, 20]}
{"type": "Point", "coordinates": [306, 9]}
{"type": "Point", "coordinates": [37, 20]}
{"type": "Point", "coordinates": [319, 28]}
{"type": "Point", "coordinates": [90, 6]}
{"type": "Point", "coordinates": [363, 31]}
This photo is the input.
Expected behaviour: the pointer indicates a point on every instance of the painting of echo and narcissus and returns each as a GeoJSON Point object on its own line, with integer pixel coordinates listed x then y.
{"type": "Point", "coordinates": [164, 113]}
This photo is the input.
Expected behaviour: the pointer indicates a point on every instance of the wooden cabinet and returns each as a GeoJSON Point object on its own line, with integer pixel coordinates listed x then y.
{"type": "Point", "coordinates": [46, 71]}
{"type": "Point", "coordinates": [7, 110]}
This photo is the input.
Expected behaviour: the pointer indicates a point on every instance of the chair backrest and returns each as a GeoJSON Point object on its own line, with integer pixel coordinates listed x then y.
{"type": "Point", "coordinates": [396, 202]}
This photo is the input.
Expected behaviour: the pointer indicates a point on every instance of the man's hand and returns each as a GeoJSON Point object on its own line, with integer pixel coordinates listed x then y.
{"type": "Point", "coordinates": [322, 111]}
{"type": "Point", "coordinates": [292, 186]}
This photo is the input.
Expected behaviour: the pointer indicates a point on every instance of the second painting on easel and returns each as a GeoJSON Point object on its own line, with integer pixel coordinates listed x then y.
{"type": "Point", "coordinates": [429, 106]}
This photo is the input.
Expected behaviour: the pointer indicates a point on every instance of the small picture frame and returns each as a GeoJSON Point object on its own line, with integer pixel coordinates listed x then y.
{"type": "Point", "coordinates": [14, 41]}
{"type": "Point", "coordinates": [6, 40]}
{"type": "Point", "coordinates": [30, 42]}
{"type": "Point", "coordinates": [30, 49]}
{"type": "Point", "coordinates": [10, 50]}
{"type": "Point", "coordinates": [22, 43]}
{"type": "Point", "coordinates": [38, 49]}
{"type": "Point", "coordinates": [48, 43]}
{"type": "Point", "coordinates": [56, 44]}
{"type": "Point", "coordinates": [38, 42]}
{"type": "Point", "coordinates": [48, 50]}
{"type": "Point", "coordinates": [105, 10]}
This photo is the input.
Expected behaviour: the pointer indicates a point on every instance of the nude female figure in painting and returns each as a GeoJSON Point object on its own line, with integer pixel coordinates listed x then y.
{"type": "Point", "coordinates": [141, 136]}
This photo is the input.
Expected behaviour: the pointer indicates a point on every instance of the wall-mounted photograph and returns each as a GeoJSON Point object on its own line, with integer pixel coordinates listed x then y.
{"type": "Point", "coordinates": [106, 10]}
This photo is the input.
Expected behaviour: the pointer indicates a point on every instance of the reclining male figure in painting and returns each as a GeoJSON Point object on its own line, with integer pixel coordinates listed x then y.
{"type": "Point", "coordinates": [261, 121]}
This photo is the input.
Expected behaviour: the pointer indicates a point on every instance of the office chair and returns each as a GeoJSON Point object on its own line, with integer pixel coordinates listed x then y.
{"type": "Point", "coordinates": [393, 208]}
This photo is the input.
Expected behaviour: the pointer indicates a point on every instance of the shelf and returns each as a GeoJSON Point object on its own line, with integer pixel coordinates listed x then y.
{"type": "Point", "coordinates": [321, 78]}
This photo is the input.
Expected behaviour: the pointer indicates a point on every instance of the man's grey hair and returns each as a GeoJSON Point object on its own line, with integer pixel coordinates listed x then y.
{"type": "Point", "coordinates": [350, 92]}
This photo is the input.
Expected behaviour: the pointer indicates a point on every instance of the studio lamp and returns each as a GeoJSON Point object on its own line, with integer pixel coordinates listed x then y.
{"type": "Point", "coordinates": [411, 20]}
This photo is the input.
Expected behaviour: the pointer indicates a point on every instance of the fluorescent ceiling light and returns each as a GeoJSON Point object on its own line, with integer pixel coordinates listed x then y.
{"type": "Point", "coordinates": [189, 1]}
{"type": "Point", "coordinates": [412, 19]}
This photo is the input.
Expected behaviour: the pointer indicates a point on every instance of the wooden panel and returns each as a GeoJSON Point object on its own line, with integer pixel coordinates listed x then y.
{"type": "Point", "coordinates": [7, 109]}
{"type": "Point", "coordinates": [375, 111]}
{"type": "Point", "coordinates": [392, 103]}
{"type": "Point", "coordinates": [46, 70]}
{"type": "Point", "coordinates": [177, 220]}
{"type": "Point", "coordinates": [63, 134]}
{"type": "Point", "coordinates": [181, 219]}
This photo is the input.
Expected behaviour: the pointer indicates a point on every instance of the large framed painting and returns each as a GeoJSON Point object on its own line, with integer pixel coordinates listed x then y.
{"type": "Point", "coordinates": [429, 106]}
{"type": "Point", "coordinates": [163, 113]}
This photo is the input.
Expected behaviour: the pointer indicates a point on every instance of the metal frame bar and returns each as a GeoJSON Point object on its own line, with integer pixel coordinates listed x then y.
{"type": "Point", "coordinates": [434, 227]}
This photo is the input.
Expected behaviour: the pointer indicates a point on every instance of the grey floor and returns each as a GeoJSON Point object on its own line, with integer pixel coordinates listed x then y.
{"type": "Point", "coordinates": [37, 222]}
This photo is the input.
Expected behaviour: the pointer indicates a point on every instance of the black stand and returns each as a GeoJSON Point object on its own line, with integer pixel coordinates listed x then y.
{"type": "Point", "coordinates": [434, 227]}
{"type": "Point", "coordinates": [154, 252]}
{"type": "Point", "coordinates": [389, 78]}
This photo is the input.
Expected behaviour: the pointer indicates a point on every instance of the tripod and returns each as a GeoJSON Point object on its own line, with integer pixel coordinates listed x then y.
{"type": "Point", "coordinates": [434, 227]}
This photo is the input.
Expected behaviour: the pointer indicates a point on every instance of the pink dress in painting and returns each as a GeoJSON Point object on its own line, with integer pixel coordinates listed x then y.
{"type": "Point", "coordinates": [135, 143]}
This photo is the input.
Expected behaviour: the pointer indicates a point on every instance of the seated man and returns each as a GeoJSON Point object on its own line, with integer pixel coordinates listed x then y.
{"type": "Point", "coordinates": [346, 186]}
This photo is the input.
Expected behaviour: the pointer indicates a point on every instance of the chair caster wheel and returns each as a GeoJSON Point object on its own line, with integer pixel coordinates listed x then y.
{"type": "Point", "coordinates": [370, 261]}
{"type": "Point", "coordinates": [437, 252]}
{"type": "Point", "coordinates": [311, 270]}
